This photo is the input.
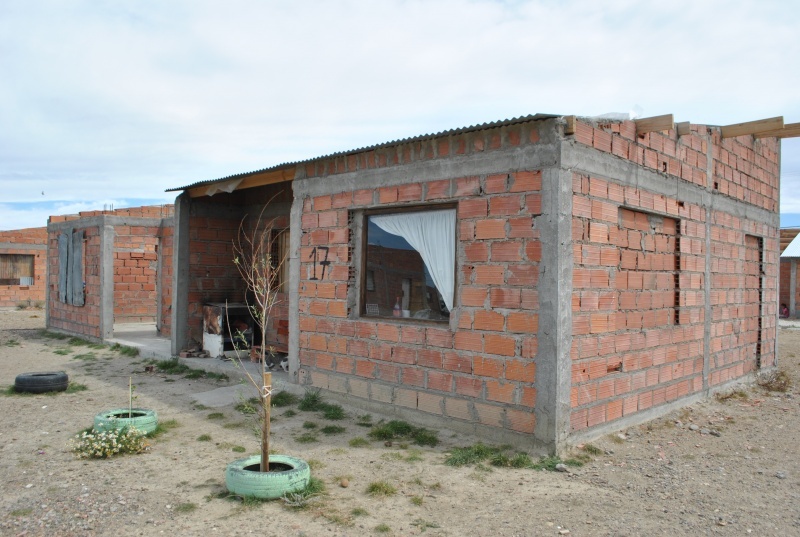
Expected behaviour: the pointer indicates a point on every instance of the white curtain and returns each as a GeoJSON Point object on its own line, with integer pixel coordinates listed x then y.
{"type": "Point", "coordinates": [433, 235]}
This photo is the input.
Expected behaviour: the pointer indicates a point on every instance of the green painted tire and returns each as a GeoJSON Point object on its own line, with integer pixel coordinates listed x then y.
{"type": "Point", "coordinates": [143, 419]}
{"type": "Point", "coordinates": [242, 480]}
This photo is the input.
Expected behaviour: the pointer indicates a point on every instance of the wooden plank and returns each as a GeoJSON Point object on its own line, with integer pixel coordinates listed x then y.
{"type": "Point", "coordinates": [257, 179]}
{"type": "Point", "coordinates": [790, 130]}
{"type": "Point", "coordinates": [569, 128]}
{"type": "Point", "coordinates": [76, 269]}
{"type": "Point", "coordinates": [654, 124]}
{"type": "Point", "coordinates": [63, 264]}
{"type": "Point", "coordinates": [752, 127]}
{"type": "Point", "coordinates": [684, 128]}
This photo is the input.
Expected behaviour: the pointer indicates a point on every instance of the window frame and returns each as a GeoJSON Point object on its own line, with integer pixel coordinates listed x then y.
{"type": "Point", "coordinates": [364, 245]}
{"type": "Point", "coordinates": [15, 262]}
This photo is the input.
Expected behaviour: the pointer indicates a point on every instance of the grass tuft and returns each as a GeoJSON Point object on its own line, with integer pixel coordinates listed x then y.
{"type": "Point", "coordinates": [401, 430]}
{"type": "Point", "coordinates": [306, 438]}
{"type": "Point", "coordinates": [305, 497]}
{"type": "Point", "coordinates": [775, 381]}
{"type": "Point", "coordinates": [358, 441]}
{"type": "Point", "coordinates": [311, 401]}
{"type": "Point", "coordinates": [185, 507]}
{"type": "Point", "coordinates": [381, 488]}
{"type": "Point", "coordinates": [282, 399]}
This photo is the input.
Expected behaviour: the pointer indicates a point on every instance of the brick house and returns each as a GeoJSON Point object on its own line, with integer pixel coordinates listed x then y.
{"type": "Point", "coordinates": [579, 275]}
{"type": "Point", "coordinates": [107, 267]}
{"type": "Point", "coordinates": [22, 267]}
{"type": "Point", "coordinates": [789, 293]}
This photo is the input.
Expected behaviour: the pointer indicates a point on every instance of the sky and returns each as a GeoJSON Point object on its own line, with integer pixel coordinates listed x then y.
{"type": "Point", "coordinates": [108, 103]}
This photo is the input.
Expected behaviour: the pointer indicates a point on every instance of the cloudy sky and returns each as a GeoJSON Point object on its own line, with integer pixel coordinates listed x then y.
{"type": "Point", "coordinates": [110, 102]}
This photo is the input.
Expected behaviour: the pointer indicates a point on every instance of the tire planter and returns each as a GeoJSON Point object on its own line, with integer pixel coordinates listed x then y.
{"type": "Point", "coordinates": [142, 419]}
{"type": "Point", "coordinates": [287, 474]}
{"type": "Point", "coordinates": [51, 381]}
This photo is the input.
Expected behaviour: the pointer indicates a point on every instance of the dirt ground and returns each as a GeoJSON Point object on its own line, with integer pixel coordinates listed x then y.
{"type": "Point", "coordinates": [728, 466]}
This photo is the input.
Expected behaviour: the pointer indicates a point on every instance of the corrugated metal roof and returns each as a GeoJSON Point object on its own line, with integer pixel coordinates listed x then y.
{"type": "Point", "coordinates": [462, 130]}
{"type": "Point", "coordinates": [793, 250]}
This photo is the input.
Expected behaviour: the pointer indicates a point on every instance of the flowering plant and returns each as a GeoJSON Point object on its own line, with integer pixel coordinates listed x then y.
{"type": "Point", "coordinates": [102, 445]}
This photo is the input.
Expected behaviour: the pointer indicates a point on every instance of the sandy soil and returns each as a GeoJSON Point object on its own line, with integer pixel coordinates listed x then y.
{"type": "Point", "coordinates": [724, 467]}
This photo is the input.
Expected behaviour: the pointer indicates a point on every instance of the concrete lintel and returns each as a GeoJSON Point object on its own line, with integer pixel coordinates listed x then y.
{"type": "Point", "coordinates": [583, 159]}
{"type": "Point", "coordinates": [106, 219]}
{"type": "Point", "coordinates": [529, 157]}
{"type": "Point", "coordinates": [553, 361]}
{"type": "Point", "coordinates": [22, 246]}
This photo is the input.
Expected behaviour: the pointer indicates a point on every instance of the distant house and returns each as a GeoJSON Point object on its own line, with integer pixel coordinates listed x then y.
{"type": "Point", "coordinates": [23, 267]}
{"type": "Point", "coordinates": [790, 253]}
{"type": "Point", "coordinates": [556, 277]}
{"type": "Point", "coordinates": [107, 267]}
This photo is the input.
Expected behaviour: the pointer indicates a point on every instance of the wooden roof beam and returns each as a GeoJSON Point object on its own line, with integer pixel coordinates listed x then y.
{"type": "Point", "coordinates": [280, 175]}
{"type": "Point", "coordinates": [752, 127]}
{"type": "Point", "coordinates": [654, 124]}
{"type": "Point", "coordinates": [790, 130]}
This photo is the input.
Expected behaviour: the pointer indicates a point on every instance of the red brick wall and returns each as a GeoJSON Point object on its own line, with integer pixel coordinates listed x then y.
{"type": "Point", "coordinates": [83, 320]}
{"type": "Point", "coordinates": [165, 251]}
{"type": "Point", "coordinates": [16, 295]}
{"type": "Point", "coordinates": [744, 168]}
{"type": "Point", "coordinates": [736, 290]}
{"type": "Point", "coordinates": [785, 292]}
{"type": "Point", "coordinates": [629, 352]}
{"type": "Point", "coordinates": [145, 211]}
{"type": "Point", "coordinates": [481, 370]}
{"type": "Point", "coordinates": [135, 257]}
{"type": "Point", "coordinates": [135, 273]}
{"type": "Point", "coordinates": [213, 277]}
{"type": "Point", "coordinates": [631, 348]}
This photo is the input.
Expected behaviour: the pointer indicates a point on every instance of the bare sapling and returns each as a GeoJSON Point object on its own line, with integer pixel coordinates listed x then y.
{"type": "Point", "coordinates": [260, 269]}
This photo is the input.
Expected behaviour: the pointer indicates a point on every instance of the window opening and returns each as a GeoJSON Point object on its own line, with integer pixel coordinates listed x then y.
{"type": "Point", "coordinates": [410, 260]}
{"type": "Point", "coordinates": [16, 269]}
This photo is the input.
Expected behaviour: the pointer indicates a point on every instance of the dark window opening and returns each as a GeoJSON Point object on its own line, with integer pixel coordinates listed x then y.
{"type": "Point", "coordinates": [409, 264]}
{"type": "Point", "coordinates": [16, 269]}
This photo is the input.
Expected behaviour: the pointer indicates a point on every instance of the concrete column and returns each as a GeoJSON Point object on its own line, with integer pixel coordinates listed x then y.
{"type": "Point", "coordinates": [180, 274]}
{"type": "Point", "coordinates": [707, 273]}
{"type": "Point", "coordinates": [553, 361]}
{"type": "Point", "coordinates": [107, 234]}
{"type": "Point", "coordinates": [295, 234]}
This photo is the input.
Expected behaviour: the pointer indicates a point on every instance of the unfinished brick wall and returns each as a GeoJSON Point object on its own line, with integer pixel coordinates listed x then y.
{"type": "Point", "coordinates": [166, 245]}
{"type": "Point", "coordinates": [480, 371]}
{"type": "Point", "coordinates": [135, 273]}
{"type": "Point", "coordinates": [134, 251]}
{"type": "Point", "coordinates": [81, 320]}
{"type": "Point", "coordinates": [672, 291]}
{"type": "Point", "coordinates": [744, 297]}
{"type": "Point", "coordinates": [635, 368]}
{"type": "Point", "coordinates": [213, 277]}
{"type": "Point", "coordinates": [744, 168]}
{"type": "Point", "coordinates": [637, 300]}
{"type": "Point", "coordinates": [28, 242]}
{"type": "Point", "coordinates": [785, 289]}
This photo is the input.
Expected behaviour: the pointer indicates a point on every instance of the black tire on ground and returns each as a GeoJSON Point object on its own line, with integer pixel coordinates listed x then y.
{"type": "Point", "coordinates": [50, 381]}
{"type": "Point", "coordinates": [267, 485]}
{"type": "Point", "coordinates": [143, 420]}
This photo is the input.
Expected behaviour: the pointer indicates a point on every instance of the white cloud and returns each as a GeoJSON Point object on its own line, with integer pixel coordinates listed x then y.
{"type": "Point", "coordinates": [128, 99]}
